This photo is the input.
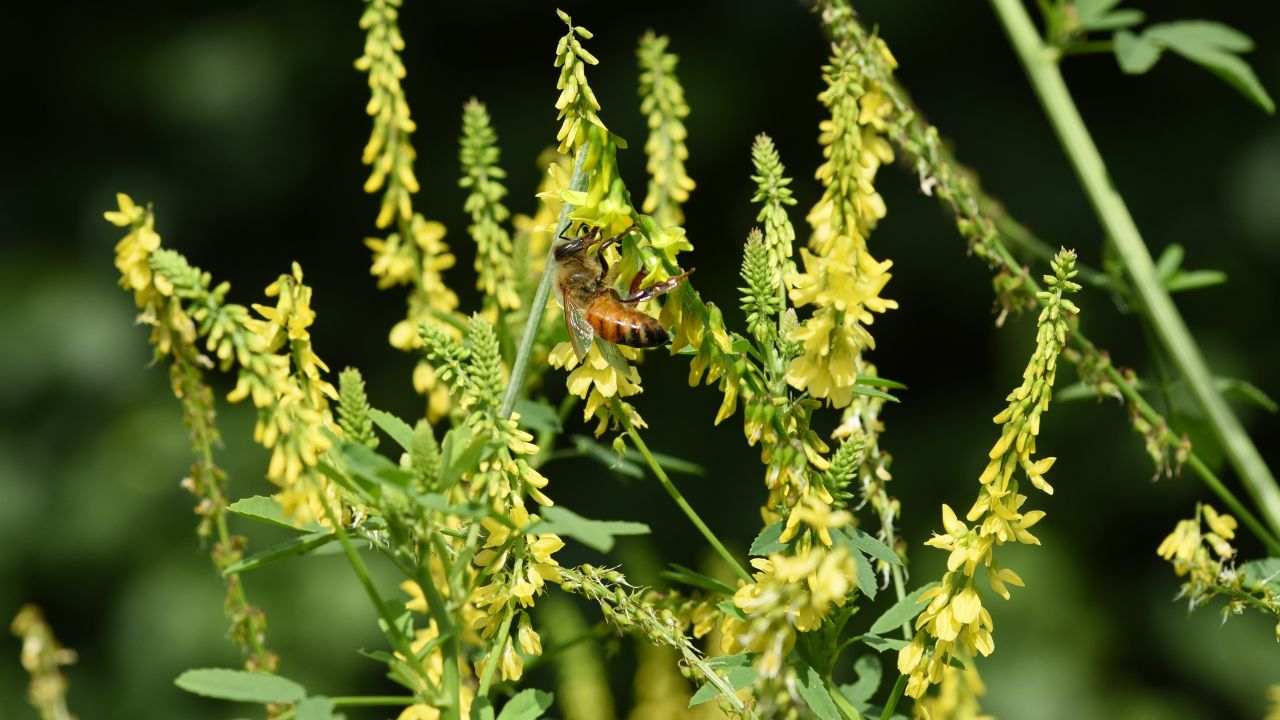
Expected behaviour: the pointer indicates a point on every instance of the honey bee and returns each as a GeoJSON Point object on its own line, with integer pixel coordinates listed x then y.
{"type": "Point", "coordinates": [592, 308]}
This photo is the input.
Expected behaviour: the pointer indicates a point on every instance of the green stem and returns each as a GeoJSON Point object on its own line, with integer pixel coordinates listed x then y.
{"type": "Point", "coordinates": [577, 182]}
{"type": "Point", "coordinates": [444, 626]}
{"type": "Point", "coordinates": [894, 697]}
{"type": "Point", "coordinates": [392, 630]}
{"type": "Point", "coordinates": [676, 495]}
{"type": "Point", "coordinates": [1088, 48]}
{"type": "Point", "coordinates": [1039, 60]}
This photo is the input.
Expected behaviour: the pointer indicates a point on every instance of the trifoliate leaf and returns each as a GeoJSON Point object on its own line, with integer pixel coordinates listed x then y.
{"type": "Point", "coordinates": [300, 545]}
{"type": "Point", "coordinates": [868, 671]}
{"type": "Point", "coordinates": [726, 607]}
{"type": "Point", "coordinates": [767, 541]}
{"type": "Point", "coordinates": [1262, 573]}
{"type": "Point", "coordinates": [607, 457]}
{"type": "Point", "coordinates": [371, 467]}
{"type": "Point", "coordinates": [263, 509]}
{"type": "Point", "coordinates": [817, 697]}
{"type": "Point", "coordinates": [461, 453]}
{"type": "Point", "coordinates": [866, 576]}
{"type": "Point", "coordinates": [255, 687]}
{"type": "Point", "coordinates": [1169, 261]}
{"type": "Point", "coordinates": [872, 547]}
{"type": "Point", "coordinates": [314, 708]}
{"type": "Point", "coordinates": [1184, 280]}
{"type": "Point", "coordinates": [902, 611]}
{"type": "Point", "coordinates": [526, 705]}
{"type": "Point", "coordinates": [1134, 53]}
{"type": "Point", "coordinates": [596, 534]}
{"type": "Point", "coordinates": [395, 428]}
{"type": "Point", "coordinates": [538, 416]}
{"type": "Point", "coordinates": [880, 644]}
{"type": "Point", "coordinates": [1213, 46]}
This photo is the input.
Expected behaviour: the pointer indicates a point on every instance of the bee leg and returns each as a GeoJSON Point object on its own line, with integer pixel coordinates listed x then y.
{"type": "Point", "coordinates": [606, 242]}
{"type": "Point", "coordinates": [665, 286]}
{"type": "Point", "coordinates": [576, 245]}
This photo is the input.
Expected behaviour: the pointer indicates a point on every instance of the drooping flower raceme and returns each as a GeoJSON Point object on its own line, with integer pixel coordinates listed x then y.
{"type": "Point", "coordinates": [955, 623]}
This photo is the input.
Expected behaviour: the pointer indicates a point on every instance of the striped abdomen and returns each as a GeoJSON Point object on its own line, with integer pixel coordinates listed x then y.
{"type": "Point", "coordinates": [623, 325]}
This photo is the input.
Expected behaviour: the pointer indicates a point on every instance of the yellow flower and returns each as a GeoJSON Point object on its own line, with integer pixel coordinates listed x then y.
{"type": "Point", "coordinates": [597, 381]}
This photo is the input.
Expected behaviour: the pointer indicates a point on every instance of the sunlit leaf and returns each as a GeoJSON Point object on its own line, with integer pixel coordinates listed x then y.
{"type": "Point", "coordinates": [598, 534]}
{"type": "Point", "coordinates": [240, 685]}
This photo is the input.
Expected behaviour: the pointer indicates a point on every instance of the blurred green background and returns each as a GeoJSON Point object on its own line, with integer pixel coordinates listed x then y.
{"type": "Point", "coordinates": [243, 122]}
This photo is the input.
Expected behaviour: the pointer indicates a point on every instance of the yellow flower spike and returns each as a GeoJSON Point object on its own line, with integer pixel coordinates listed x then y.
{"type": "Point", "coordinates": [955, 624]}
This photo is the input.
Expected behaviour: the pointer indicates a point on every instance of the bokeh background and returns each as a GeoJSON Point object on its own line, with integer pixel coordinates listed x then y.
{"type": "Point", "coordinates": [243, 122]}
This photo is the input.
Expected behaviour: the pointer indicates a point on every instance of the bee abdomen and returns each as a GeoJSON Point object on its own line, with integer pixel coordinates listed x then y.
{"type": "Point", "coordinates": [622, 325]}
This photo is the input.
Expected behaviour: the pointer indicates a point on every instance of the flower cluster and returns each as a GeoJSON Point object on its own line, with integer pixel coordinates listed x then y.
{"type": "Point", "coordinates": [957, 696]}
{"type": "Point", "coordinates": [790, 594]}
{"type": "Point", "coordinates": [841, 279]}
{"type": "Point", "coordinates": [1200, 550]}
{"type": "Point", "coordinates": [955, 623]}
{"type": "Point", "coordinates": [414, 252]}
{"type": "Point", "coordinates": [577, 106]}
{"type": "Point", "coordinates": [482, 177]}
{"type": "Point", "coordinates": [662, 102]}
{"type": "Point", "coordinates": [278, 369]}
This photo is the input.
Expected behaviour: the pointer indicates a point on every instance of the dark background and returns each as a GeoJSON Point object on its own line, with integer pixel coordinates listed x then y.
{"type": "Point", "coordinates": [243, 122]}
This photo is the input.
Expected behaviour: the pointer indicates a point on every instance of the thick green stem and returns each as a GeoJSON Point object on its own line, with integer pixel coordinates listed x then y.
{"type": "Point", "coordinates": [894, 696]}
{"type": "Point", "coordinates": [683, 504]}
{"type": "Point", "coordinates": [578, 182]}
{"type": "Point", "coordinates": [1040, 62]}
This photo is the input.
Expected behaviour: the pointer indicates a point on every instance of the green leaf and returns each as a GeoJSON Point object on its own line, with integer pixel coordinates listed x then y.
{"type": "Point", "coordinates": [880, 382]}
{"type": "Point", "coordinates": [240, 685]}
{"type": "Point", "coordinates": [767, 541]}
{"type": "Point", "coordinates": [693, 578]}
{"type": "Point", "coordinates": [607, 457]}
{"type": "Point", "coordinates": [395, 428]}
{"type": "Point", "coordinates": [1199, 35]}
{"type": "Point", "coordinates": [868, 671]}
{"type": "Point", "coordinates": [1184, 280]}
{"type": "Point", "coordinates": [738, 677]}
{"type": "Point", "coordinates": [439, 503]}
{"type": "Point", "coordinates": [902, 611]}
{"type": "Point", "coordinates": [1247, 391]}
{"type": "Point", "coordinates": [880, 644]}
{"type": "Point", "coordinates": [727, 607]}
{"type": "Point", "coordinates": [368, 465]}
{"type": "Point", "coordinates": [1135, 54]}
{"type": "Point", "coordinates": [816, 696]}
{"type": "Point", "coordinates": [1127, 17]}
{"type": "Point", "coordinates": [314, 708]}
{"type": "Point", "coordinates": [526, 705]}
{"type": "Point", "coordinates": [667, 462]}
{"type": "Point", "coordinates": [1213, 46]}
{"type": "Point", "coordinates": [873, 392]}
{"type": "Point", "coordinates": [1264, 573]}
{"type": "Point", "coordinates": [866, 576]}
{"type": "Point", "coordinates": [596, 534]}
{"type": "Point", "coordinates": [300, 545]}
{"type": "Point", "coordinates": [461, 452]}
{"type": "Point", "coordinates": [263, 509]}
{"type": "Point", "coordinates": [538, 416]}
{"type": "Point", "coordinates": [873, 547]}
{"type": "Point", "coordinates": [1169, 262]}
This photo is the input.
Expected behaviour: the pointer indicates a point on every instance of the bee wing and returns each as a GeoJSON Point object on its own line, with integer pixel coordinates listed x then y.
{"type": "Point", "coordinates": [580, 332]}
